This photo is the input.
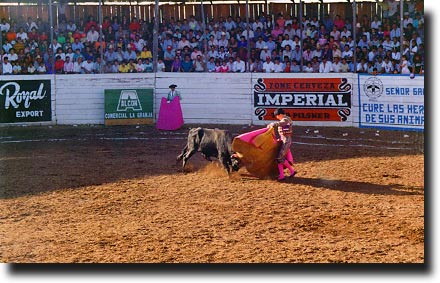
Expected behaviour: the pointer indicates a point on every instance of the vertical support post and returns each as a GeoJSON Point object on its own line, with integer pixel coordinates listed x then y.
{"type": "Point", "coordinates": [100, 35]}
{"type": "Point", "coordinates": [301, 32]}
{"type": "Point", "coordinates": [401, 30]}
{"type": "Point", "coordinates": [156, 35]}
{"type": "Point", "coordinates": [354, 37]}
{"type": "Point", "coordinates": [1, 48]}
{"type": "Point", "coordinates": [248, 38]}
{"type": "Point", "coordinates": [203, 26]}
{"type": "Point", "coordinates": [51, 34]}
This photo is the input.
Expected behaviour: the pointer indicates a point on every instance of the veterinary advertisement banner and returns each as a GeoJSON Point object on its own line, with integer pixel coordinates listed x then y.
{"type": "Point", "coordinates": [391, 102]}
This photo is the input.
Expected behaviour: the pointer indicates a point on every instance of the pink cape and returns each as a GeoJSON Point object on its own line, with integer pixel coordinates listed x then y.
{"type": "Point", "coordinates": [170, 115]}
{"type": "Point", "coordinates": [250, 136]}
{"type": "Point", "coordinates": [258, 151]}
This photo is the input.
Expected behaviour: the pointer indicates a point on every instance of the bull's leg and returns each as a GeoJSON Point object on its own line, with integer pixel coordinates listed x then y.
{"type": "Point", "coordinates": [188, 155]}
{"type": "Point", "coordinates": [180, 156]}
{"type": "Point", "coordinates": [225, 161]}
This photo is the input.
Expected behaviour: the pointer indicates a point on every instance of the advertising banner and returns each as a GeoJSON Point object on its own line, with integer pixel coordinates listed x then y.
{"type": "Point", "coordinates": [391, 102]}
{"type": "Point", "coordinates": [128, 106]}
{"type": "Point", "coordinates": [25, 101]}
{"type": "Point", "coordinates": [303, 99]}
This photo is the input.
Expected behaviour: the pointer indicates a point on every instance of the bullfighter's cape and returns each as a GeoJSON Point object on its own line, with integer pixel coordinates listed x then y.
{"type": "Point", "coordinates": [170, 115]}
{"type": "Point", "coordinates": [257, 151]}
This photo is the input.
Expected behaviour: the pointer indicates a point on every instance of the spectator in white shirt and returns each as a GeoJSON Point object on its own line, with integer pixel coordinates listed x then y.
{"type": "Point", "coordinates": [268, 65]}
{"type": "Point", "coordinates": [23, 35]}
{"type": "Point", "coordinates": [4, 26]}
{"type": "Point", "coordinates": [387, 66]}
{"type": "Point", "coordinates": [12, 56]}
{"type": "Point", "coordinates": [77, 66]}
{"type": "Point", "coordinates": [239, 66]}
{"type": "Point", "coordinates": [277, 66]}
{"type": "Point", "coordinates": [407, 20]}
{"type": "Point", "coordinates": [92, 35]}
{"type": "Point", "coordinates": [336, 65]}
{"type": "Point", "coordinates": [376, 23]}
{"type": "Point", "coordinates": [7, 46]}
{"type": "Point", "coordinates": [325, 67]}
{"type": "Point", "coordinates": [7, 66]}
{"type": "Point", "coordinates": [87, 66]}
{"type": "Point", "coordinates": [345, 32]}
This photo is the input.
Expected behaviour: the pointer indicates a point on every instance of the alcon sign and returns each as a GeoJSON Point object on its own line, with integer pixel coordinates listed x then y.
{"type": "Point", "coordinates": [25, 101]}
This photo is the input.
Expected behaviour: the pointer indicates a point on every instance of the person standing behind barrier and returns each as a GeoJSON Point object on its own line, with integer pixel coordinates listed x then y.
{"type": "Point", "coordinates": [173, 93]}
{"type": "Point", "coordinates": [283, 132]}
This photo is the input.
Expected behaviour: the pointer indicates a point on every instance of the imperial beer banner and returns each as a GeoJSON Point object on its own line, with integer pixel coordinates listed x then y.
{"type": "Point", "coordinates": [128, 106]}
{"type": "Point", "coordinates": [303, 99]}
{"type": "Point", "coordinates": [25, 101]}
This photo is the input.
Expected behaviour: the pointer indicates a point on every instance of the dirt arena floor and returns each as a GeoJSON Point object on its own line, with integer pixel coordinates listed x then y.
{"type": "Point", "coordinates": [115, 194]}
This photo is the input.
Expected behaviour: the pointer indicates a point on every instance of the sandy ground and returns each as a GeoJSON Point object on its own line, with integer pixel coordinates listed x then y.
{"type": "Point", "coordinates": [115, 194]}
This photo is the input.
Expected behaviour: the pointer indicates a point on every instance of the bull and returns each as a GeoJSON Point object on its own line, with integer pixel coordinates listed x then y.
{"type": "Point", "coordinates": [211, 143]}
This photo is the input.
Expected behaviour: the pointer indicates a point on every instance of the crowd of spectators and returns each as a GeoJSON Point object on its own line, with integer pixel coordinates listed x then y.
{"type": "Point", "coordinates": [275, 44]}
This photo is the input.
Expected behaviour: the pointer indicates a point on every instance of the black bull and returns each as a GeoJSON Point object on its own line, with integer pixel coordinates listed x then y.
{"type": "Point", "coordinates": [211, 143]}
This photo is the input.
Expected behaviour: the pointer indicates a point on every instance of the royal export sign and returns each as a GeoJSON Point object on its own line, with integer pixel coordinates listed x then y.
{"type": "Point", "coordinates": [128, 106]}
{"type": "Point", "coordinates": [305, 99]}
{"type": "Point", "coordinates": [25, 101]}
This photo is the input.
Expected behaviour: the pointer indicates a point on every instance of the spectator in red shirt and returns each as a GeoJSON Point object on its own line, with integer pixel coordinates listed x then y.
{"type": "Point", "coordinates": [91, 23]}
{"type": "Point", "coordinates": [59, 65]}
{"type": "Point", "coordinates": [33, 35]}
{"type": "Point", "coordinates": [105, 24]}
{"type": "Point", "coordinates": [338, 22]}
{"type": "Point", "coordinates": [134, 26]}
{"type": "Point", "coordinates": [43, 36]}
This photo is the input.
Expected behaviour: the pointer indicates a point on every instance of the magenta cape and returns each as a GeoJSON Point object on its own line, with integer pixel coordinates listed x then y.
{"type": "Point", "coordinates": [170, 115]}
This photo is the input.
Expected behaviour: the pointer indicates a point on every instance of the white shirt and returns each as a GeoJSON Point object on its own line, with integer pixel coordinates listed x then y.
{"type": "Point", "coordinates": [268, 67]}
{"type": "Point", "coordinates": [388, 67]}
{"type": "Point", "coordinates": [376, 25]}
{"type": "Point", "coordinates": [337, 67]}
{"type": "Point", "coordinates": [87, 66]}
{"type": "Point", "coordinates": [160, 67]}
{"type": "Point", "coordinates": [12, 57]}
{"type": "Point", "coordinates": [92, 36]}
{"type": "Point", "coordinates": [76, 67]}
{"type": "Point", "coordinates": [278, 68]}
{"type": "Point", "coordinates": [308, 69]}
{"type": "Point", "coordinates": [327, 68]}
{"type": "Point", "coordinates": [346, 33]}
{"type": "Point", "coordinates": [7, 68]}
{"type": "Point", "coordinates": [239, 67]}
{"type": "Point", "coordinates": [23, 36]}
{"type": "Point", "coordinates": [5, 27]}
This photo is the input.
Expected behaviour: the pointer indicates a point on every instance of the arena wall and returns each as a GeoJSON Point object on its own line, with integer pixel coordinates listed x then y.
{"type": "Point", "coordinates": [246, 98]}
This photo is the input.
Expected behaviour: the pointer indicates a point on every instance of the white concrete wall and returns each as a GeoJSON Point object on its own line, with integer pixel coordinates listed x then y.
{"type": "Point", "coordinates": [209, 98]}
{"type": "Point", "coordinates": [80, 98]}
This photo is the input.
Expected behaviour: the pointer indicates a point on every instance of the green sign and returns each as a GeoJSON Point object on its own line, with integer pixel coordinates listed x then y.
{"type": "Point", "coordinates": [128, 106]}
